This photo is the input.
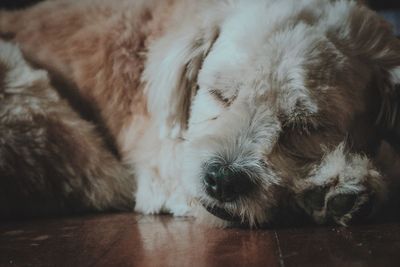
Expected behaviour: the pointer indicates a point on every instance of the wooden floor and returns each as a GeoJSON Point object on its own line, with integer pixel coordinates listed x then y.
{"type": "Point", "coordinates": [135, 240]}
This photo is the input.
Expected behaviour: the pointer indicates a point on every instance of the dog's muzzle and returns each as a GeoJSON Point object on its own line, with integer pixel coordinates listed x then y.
{"type": "Point", "coordinates": [226, 184]}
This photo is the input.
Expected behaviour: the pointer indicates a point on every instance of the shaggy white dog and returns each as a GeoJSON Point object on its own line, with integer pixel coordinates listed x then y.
{"type": "Point", "coordinates": [237, 111]}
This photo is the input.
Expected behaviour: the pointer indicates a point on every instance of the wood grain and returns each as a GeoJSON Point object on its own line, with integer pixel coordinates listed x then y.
{"type": "Point", "coordinates": [129, 239]}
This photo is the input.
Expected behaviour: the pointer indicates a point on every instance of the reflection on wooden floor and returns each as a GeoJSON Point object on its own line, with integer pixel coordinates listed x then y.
{"type": "Point", "coordinates": [135, 240]}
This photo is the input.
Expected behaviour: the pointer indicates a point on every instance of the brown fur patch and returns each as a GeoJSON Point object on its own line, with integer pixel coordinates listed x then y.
{"type": "Point", "coordinates": [52, 161]}
{"type": "Point", "coordinates": [101, 52]}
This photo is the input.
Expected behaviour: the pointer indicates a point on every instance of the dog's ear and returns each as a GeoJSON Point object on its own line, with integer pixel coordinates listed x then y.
{"type": "Point", "coordinates": [170, 76]}
{"type": "Point", "coordinates": [383, 52]}
{"type": "Point", "coordinates": [388, 119]}
{"type": "Point", "coordinates": [368, 38]}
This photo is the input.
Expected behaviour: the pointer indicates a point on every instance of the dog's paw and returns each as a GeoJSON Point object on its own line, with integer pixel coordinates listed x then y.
{"type": "Point", "coordinates": [326, 203]}
{"type": "Point", "coordinates": [341, 192]}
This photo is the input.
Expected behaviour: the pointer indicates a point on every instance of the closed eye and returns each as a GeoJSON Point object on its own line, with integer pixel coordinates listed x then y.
{"type": "Point", "coordinates": [305, 124]}
{"type": "Point", "coordinates": [221, 98]}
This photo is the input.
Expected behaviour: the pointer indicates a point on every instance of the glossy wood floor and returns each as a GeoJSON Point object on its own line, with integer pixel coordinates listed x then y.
{"type": "Point", "coordinates": [135, 240]}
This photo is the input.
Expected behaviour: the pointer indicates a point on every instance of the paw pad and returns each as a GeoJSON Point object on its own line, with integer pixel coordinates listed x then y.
{"type": "Point", "coordinates": [341, 204]}
{"type": "Point", "coordinates": [314, 199]}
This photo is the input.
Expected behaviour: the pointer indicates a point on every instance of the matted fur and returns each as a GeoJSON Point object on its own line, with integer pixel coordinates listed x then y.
{"type": "Point", "coordinates": [296, 94]}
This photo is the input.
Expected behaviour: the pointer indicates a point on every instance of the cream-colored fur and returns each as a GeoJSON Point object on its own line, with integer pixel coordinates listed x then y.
{"type": "Point", "coordinates": [270, 88]}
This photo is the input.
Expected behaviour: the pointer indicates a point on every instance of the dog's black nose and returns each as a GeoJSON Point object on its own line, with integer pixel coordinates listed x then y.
{"type": "Point", "coordinates": [225, 184]}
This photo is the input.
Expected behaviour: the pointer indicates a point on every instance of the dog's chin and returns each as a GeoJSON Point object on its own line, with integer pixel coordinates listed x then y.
{"type": "Point", "coordinates": [222, 214]}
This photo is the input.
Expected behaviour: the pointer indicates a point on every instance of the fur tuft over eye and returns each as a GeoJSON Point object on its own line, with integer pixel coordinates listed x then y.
{"type": "Point", "coordinates": [226, 101]}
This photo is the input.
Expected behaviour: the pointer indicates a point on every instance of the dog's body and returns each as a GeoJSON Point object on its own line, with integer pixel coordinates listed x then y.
{"type": "Point", "coordinates": [240, 108]}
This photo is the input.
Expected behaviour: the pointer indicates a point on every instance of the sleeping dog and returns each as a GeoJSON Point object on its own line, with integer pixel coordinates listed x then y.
{"type": "Point", "coordinates": [236, 111]}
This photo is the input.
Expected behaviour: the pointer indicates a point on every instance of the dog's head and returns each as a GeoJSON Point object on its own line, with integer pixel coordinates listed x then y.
{"type": "Point", "coordinates": [268, 93]}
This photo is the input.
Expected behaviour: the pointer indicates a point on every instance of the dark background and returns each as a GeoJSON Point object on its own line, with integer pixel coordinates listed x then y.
{"type": "Point", "coordinates": [384, 4]}
{"type": "Point", "coordinates": [11, 4]}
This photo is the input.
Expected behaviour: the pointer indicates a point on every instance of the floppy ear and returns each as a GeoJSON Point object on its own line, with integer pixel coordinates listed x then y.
{"type": "Point", "coordinates": [388, 120]}
{"type": "Point", "coordinates": [171, 76]}
{"type": "Point", "coordinates": [383, 50]}
{"type": "Point", "coordinates": [370, 39]}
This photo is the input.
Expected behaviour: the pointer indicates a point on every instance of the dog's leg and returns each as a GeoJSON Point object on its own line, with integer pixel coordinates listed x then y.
{"type": "Point", "coordinates": [343, 187]}
{"type": "Point", "coordinates": [51, 161]}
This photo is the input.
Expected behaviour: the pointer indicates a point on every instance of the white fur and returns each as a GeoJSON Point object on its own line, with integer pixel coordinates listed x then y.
{"type": "Point", "coordinates": [344, 173]}
{"type": "Point", "coordinates": [20, 75]}
{"type": "Point", "coordinates": [261, 49]}
{"type": "Point", "coordinates": [254, 54]}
